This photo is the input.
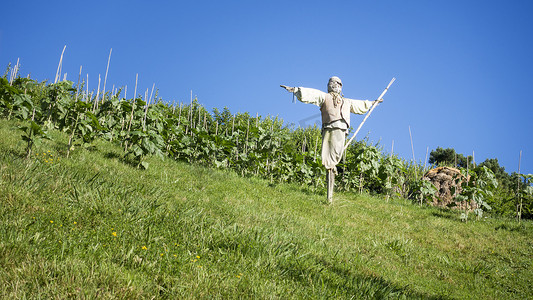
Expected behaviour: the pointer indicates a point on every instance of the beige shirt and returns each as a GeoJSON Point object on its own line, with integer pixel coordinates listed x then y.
{"type": "Point", "coordinates": [317, 97]}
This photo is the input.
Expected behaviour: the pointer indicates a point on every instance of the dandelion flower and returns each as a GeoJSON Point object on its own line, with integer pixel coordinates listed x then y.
{"type": "Point", "coordinates": [51, 221]}
{"type": "Point", "coordinates": [114, 233]}
{"type": "Point", "coordinates": [197, 256]}
{"type": "Point", "coordinates": [144, 248]}
{"type": "Point", "coordinates": [75, 222]}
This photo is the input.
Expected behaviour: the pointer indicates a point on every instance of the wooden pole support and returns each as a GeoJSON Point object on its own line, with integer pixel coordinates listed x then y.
{"type": "Point", "coordinates": [330, 178]}
{"type": "Point", "coordinates": [368, 114]}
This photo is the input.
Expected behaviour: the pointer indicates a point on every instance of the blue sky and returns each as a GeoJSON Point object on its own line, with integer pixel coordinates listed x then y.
{"type": "Point", "coordinates": [463, 68]}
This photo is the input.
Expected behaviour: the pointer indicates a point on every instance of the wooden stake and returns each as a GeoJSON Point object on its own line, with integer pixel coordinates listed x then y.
{"type": "Point", "coordinates": [233, 125]}
{"type": "Point", "coordinates": [105, 78]}
{"type": "Point", "coordinates": [427, 150]}
{"type": "Point", "coordinates": [95, 106]}
{"type": "Point", "coordinates": [14, 72]}
{"type": "Point", "coordinates": [179, 116]}
{"type": "Point", "coordinates": [330, 178]}
{"type": "Point", "coordinates": [369, 112]}
{"type": "Point", "coordinates": [147, 104]}
{"type": "Point", "coordinates": [59, 66]}
{"type": "Point", "coordinates": [78, 85]}
{"type": "Point", "coordinates": [87, 92]}
{"type": "Point", "coordinates": [518, 188]}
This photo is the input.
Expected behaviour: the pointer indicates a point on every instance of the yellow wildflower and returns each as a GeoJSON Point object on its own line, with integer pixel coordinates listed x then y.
{"type": "Point", "coordinates": [114, 233]}
{"type": "Point", "coordinates": [144, 248]}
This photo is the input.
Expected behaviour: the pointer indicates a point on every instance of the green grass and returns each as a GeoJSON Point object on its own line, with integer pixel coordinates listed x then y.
{"type": "Point", "coordinates": [94, 226]}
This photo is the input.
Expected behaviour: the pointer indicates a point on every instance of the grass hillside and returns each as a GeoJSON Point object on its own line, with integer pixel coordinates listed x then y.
{"type": "Point", "coordinates": [94, 226]}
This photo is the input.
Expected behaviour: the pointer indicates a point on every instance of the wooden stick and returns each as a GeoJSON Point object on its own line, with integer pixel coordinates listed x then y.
{"type": "Point", "coordinates": [233, 125]}
{"type": "Point", "coordinates": [87, 92]}
{"type": "Point", "coordinates": [179, 116]}
{"type": "Point", "coordinates": [78, 87]}
{"type": "Point", "coordinates": [14, 72]}
{"type": "Point", "coordinates": [58, 73]}
{"type": "Point", "coordinates": [95, 106]}
{"type": "Point", "coordinates": [330, 178]}
{"type": "Point", "coordinates": [147, 104]}
{"type": "Point", "coordinates": [518, 187]}
{"type": "Point", "coordinates": [106, 70]}
{"type": "Point", "coordinates": [145, 109]}
{"type": "Point", "coordinates": [427, 150]}
{"type": "Point", "coordinates": [368, 114]}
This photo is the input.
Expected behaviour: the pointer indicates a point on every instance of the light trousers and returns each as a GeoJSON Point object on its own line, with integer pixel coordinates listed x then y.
{"type": "Point", "coordinates": [333, 140]}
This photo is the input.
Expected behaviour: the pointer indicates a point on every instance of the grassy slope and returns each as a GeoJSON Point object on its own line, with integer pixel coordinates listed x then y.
{"type": "Point", "coordinates": [92, 225]}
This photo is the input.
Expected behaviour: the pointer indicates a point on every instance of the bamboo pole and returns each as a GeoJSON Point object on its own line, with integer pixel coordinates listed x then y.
{"type": "Point", "coordinates": [95, 106]}
{"type": "Point", "coordinates": [233, 125]}
{"type": "Point", "coordinates": [199, 118]}
{"type": "Point", "coordinates": [519, 212]}
{"type": "Point", "coordinates": [78, 85]}
{"type": "Point", "coordinates": [427, 150]}
{"type": "Point", "coordinates": [14, 72]}
{"type": "Point", "coordinates": [59, 66]}
{"type": "Point", "coordinates": [145, 108]}
{"type": "Point", "coordinates": [106, 70]}
{"type": "Point", "coordinates": [369, 112]}
{"type": "Point", "coordinates": [247, 132]}
{"type": "Point", "coordinates": [179, 116]}
{"type": "Point", "coordinates": [87, 92]}
{"type": "Point", "coordinates": [147, 104]}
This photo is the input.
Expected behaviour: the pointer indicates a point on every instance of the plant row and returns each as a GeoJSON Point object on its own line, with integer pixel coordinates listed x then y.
{"type": "Point", "coordinates": [249, 145]}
